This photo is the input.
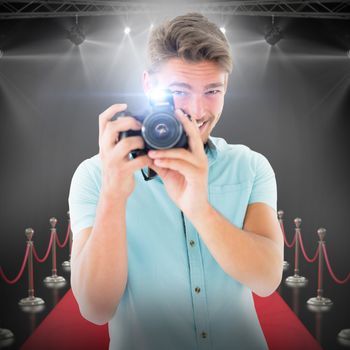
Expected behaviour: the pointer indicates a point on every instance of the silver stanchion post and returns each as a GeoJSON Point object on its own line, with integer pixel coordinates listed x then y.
{"type": "Point", "coordinates": [280, 214]}
{"type": "Point", "coordinates": [54, 278]}
{"type": "Point", "coordinates": [31, 300]}
{"type": "Point", "coordinates": [320, 303]}
{"type": "Point", "coordinates": [66, 264]}
{"type": "Point", "coordinates": [296, 280]}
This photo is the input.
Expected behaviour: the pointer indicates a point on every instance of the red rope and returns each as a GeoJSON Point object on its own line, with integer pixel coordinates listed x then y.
{"type": "Point", "coordinates": [7, 280]}
{"type": "Point", "coordinates": [310, 260]}
{"type": "Point", "coordinates": [47, 252]}
{"type": "Point", "coordinates": [289, 245]}
{"type": "Point", "coordinates": [62, 245]}
{"type": "Point", "coordinates": [331, 271]}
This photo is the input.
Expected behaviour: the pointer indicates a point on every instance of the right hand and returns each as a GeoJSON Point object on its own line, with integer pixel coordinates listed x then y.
{"type": "Point", "coordinates": [117, 169]}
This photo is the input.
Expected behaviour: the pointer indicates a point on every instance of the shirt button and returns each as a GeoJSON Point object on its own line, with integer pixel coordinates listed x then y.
{"type": "Point", "coordinates": [192, 243]}
{"type": "Point", "coordinates": [197, 289]}
{"type": "Point", "coordinates": [204, 335]}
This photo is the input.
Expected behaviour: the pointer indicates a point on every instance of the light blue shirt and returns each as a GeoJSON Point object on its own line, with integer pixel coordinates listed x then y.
{"type": "Point", "coordinates": [177, 296]}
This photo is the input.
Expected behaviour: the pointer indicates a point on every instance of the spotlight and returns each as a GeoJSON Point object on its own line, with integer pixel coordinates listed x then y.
{"type": "Point", "coordinates": [127, 30]}
{"type": "Point", "coordinates": [76, 34]}
{"type": "Point", "coordinates": [273, 35]}
{"type": "Point", "coordinates": [223, 29]}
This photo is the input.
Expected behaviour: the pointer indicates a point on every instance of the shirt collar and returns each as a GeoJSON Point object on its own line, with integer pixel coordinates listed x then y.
{"type": "Point", "coordinates": [211, 151]}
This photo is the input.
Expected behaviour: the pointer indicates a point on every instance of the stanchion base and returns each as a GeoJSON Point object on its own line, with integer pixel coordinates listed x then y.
{"type": "Point", "coordinates": [31, 301]}
{"type": "Point", "coordinates": [285, 265]}
{"type": "Point", "coordinates": [296, 281]}
{"type": "Point", "coordinates": [6, 337]}
{"type": "Point", "coordinates": [66, 269]}
{"type": "Point", "coordinates": [57, 285]}
{"type": "Point", "coordinates": [320, 301]}
{"type": "Point", "coordinates": [319, 304]}
{"type": "Point", "coordinates": [66, 263]}
{"type": "Point", "coordinates": [5, 334]}
{"type": "Point", "coordinates": [344, 337]}
{"type": "Point", "coordinates": [54, 279]}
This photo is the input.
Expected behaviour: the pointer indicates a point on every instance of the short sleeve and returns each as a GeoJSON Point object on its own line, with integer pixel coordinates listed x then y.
{"type": "Point", "coordinates": [83, 198]}
{"type": "Point", "coordinates": [264, 186]}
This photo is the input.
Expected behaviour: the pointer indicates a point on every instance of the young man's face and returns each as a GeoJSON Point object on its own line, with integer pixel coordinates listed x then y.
{"type": "Point", "coordinates": [198, 89]}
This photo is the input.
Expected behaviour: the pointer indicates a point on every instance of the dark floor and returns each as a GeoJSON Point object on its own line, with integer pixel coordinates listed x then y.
{"type": "Point", "coordinates": [323, 325]}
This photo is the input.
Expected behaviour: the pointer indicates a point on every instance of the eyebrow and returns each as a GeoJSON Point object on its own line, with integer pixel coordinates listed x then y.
{"type": "Point", "coordinates": [188, 86]}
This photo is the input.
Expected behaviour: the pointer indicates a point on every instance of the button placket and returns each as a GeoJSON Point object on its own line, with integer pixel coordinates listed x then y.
{"type": "Point", "coordinates": [199, 299]}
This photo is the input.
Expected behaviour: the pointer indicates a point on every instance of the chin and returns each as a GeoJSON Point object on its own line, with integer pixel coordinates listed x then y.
{"type": "Point", "coordinates": [205, 139]}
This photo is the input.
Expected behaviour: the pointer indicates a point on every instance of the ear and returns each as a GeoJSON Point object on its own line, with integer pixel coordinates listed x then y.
{"type": "Point", "coordinates": [146, 82]}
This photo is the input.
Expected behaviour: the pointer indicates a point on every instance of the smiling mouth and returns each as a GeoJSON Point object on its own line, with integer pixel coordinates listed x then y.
{"type": "Point", "coordinates": [202, 125]}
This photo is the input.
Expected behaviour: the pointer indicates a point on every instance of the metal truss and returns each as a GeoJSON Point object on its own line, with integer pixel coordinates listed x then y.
{"type": "Point", "coordinates": [278, 8]}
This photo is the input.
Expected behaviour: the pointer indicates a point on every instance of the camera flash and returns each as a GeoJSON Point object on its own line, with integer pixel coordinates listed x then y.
{"type": "Point", "coordinates": [158, 95]}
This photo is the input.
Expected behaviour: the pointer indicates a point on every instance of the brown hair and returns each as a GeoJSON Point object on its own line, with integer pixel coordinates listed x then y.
{"type": "Point", "coordinates": [191, 37]}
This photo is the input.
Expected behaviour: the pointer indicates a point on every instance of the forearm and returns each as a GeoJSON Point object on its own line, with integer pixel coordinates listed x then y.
{"type": "Point", "coordinates": [252, 259]}
{"type": "Point", "coordinates": [100, 270]}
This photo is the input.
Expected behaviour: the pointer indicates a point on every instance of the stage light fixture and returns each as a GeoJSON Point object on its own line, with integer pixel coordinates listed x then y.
{"type": "Point", "coordinates": [127, 30]}
{"type": "Point", "coordinates": [76, 34]}
{"type": "Point", "coordinates": [273, 34]}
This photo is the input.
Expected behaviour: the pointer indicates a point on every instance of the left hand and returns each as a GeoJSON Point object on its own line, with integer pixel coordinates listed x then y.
{"type": "Point", "coordinates": [184, 172]}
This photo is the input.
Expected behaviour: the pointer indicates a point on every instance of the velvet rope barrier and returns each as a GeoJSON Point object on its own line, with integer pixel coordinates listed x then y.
{"type": "Point", "coordinates": [280, 219]}
{"type": "Point", "coordinates": [30, 301]}
{"type": "Point", "coordinates": [40, 260]}
{"type": "Point", "coordinates": [336, 280]}
{"type": "Point", "coordinates": [310, 260]}
{"type": "Point", "coordinates": [319, 302]}
{"type": "Point", "coordinates": [289, 245]}
{"type": "Point", "coordinates": [20, 273]}
{"type": "Point", "coordinates": [54, 278]}
{"type": "Point", "coordinates": [62, 245]}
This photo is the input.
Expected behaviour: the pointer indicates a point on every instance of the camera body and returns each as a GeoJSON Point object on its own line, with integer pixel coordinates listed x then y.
{"type": "Point", "coordinates": [160, 127]}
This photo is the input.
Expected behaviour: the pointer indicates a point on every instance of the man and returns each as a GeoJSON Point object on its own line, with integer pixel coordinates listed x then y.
{"type": "Point", "coordinates": [171, 263]}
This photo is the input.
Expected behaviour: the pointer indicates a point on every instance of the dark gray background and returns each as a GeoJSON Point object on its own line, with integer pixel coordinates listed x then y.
{"type": "Point", "coordinates": [289, 102]}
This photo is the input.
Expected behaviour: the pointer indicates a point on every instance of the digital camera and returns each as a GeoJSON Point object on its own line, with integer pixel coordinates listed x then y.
{"type": "Point", "coordinates": [160, 127]}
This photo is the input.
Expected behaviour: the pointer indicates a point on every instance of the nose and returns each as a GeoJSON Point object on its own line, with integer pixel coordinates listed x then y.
{"type": "Point", "coordinates": [196, 107]}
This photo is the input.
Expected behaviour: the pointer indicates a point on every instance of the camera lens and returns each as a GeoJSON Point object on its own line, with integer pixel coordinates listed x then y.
{"type": "Point", "coordinates": [161, 130]}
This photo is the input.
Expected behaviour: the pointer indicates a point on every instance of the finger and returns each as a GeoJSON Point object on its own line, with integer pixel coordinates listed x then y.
{"type": "Point", "coordinates": [108, 114]}
{"type": "Point", "coordinates": [139, 163]}
{"type": "Point", "coordinates": [194, 139]}
{"type": "Point", "coordinates": [160, 171]}
{"type": "Point", "coordinates": [173, 153]}
{"type": "Point", "coordinates": [128, 144]}
{"type": "Point", "coordinates": [179, 165]}
{"type": "Point", "coordinates": [112, 129]}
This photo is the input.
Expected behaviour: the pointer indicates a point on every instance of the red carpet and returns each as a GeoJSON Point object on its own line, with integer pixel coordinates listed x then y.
{"type": "Point", "coordinates": [65, 329]}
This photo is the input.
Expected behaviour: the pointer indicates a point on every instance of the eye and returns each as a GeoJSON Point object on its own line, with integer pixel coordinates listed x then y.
{"type": "Point", "coordinates": [213, 92]}
{"type": "Point", "coordinates": [179, 93]}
